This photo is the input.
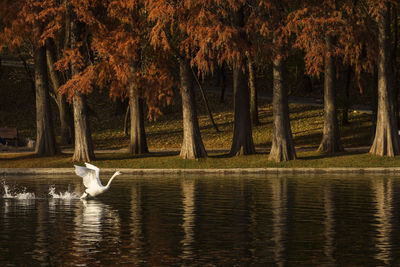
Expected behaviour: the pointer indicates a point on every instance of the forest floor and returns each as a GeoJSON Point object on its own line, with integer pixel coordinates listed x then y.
{"type": "Point", "coordinates": [164, 135]}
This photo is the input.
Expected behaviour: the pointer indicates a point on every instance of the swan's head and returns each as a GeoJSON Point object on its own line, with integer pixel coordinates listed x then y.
{"type": "Point", "coordinates": [115, 174]}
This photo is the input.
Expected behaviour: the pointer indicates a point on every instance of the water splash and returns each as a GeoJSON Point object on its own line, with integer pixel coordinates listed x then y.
{"type": "Point", "coordinates": [22, 194]}
{"type": "Point", "coordinates": [67, 195]}
{"type": "Point", "coordinates": [8, 193]}
{"type": "Point", "coordinates": [25, 195]}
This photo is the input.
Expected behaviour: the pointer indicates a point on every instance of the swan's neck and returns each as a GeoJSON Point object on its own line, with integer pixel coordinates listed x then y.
{"type": "Point", "coordinates": [109, 181]}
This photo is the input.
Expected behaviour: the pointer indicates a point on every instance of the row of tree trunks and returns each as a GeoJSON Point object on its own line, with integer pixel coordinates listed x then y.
{"type": "Point", "coordinates": [386, 141]}
{"type": "Point", "coordinates": [44, 57]}
{"type": "Point", "coordinates": [83, 151]}
{"type": "Point", "coordinates": [242, 142]}
{"type": "Point", "coordinates": [192, 145]}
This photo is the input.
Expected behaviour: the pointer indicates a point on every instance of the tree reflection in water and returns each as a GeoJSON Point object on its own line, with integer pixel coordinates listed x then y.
{"type": "Point", "coordinates": [329, 223]}
{"type": "Point", "coordinates": [384, 199]}
{"type": "Point", "coordinates": [279, 211]}
{"type": "Point", "coordinates": [188, 192]}
{"type": "Point", "coordinates": [136, 225]}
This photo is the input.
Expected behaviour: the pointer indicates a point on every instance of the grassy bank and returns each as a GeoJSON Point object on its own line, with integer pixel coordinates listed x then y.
{"type": "Point", "coordinates": [165, 134]}
{"type": "Point", "coordinates": [306, 159]}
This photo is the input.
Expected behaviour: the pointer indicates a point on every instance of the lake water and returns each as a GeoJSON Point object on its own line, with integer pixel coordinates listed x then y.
{"type": "Point", "coordinates": [327, 220]}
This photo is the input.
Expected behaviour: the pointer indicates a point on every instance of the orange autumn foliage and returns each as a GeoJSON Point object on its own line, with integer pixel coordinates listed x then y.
{"type": "Point", "coordinates": [351, 23]}
{"type": "Point", "coordinates": [122, 55]}
{"type": "Point", "coordinates": [126, 41]}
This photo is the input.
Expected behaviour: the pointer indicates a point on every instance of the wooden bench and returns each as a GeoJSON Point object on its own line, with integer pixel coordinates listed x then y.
{"type": "Point", "coordinates": [9, 134]}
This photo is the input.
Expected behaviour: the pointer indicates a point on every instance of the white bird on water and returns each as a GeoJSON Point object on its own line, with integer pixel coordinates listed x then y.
{"type": "Point", "coordinates": [91, 180]}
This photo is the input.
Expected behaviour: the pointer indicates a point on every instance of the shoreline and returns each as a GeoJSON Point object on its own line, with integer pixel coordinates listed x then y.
{"type": "Point", "coordinates": [232, 171]}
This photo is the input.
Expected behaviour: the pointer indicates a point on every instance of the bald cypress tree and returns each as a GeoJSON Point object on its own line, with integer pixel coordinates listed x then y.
{"type": "Point", "coordinates": [20, 19]}
{"type": "Point", "coordinates": [386, 141]}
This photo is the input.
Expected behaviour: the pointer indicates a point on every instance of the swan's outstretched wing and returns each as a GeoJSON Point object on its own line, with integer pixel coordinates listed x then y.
{"type": "Point", "coordinates": [97, 171]}
{"type": "Point", "coordinates": [88, 175]}
{"type": "Point", "coordinates": [92, 167]}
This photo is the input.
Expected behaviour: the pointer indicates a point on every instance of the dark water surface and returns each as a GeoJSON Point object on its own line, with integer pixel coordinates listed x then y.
{"type": "Point", "coordinates": [304, 220]}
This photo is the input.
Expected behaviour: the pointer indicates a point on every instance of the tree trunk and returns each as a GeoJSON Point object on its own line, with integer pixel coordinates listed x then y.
{"type": "Point", "coordinates": [282, 142]}
{"type": "Point", "coordinates": [386, 141]}
{"type": "Point", "coordinates": [222, 83]}
{"type": "Point", "coordinates": [395, 64]}
{"type": "Point", "coordinates": [242, 142]}
{"type": "Point", "coordinates": [83, 140]}
{"type": "Point", "coordinates": [126, 120]}
{"type": "Point", "coordinates": [138, 143]}
{"type": "Point", "coordinates": [66, 121]}
{"type": "Point", "coordinates": [330, 139]}
{"type": "Point", "coordinates": [203, 94]}
{"type": "Point", "coordinates": [253, 92]}
{"type": "Point", "coordinates": [345, 115]}
{"type": "Point", "coordinates": [28, 71]}
{"type": "Point", "coordinates": [45, 139]}
{"type": "Point", "coordinates": [192, 144]}
{"type": "Point", "coordinates": [374, 105]}
{"type": "Point", "coordinates": [83, 150]}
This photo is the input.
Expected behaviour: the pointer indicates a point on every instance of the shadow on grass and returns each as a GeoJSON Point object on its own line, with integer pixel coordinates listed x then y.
{"type": "Point", "coordinates": [163, 132]}
{"type": "Point", "coordinates": [309, 139]}
{"type": "Point", "coordinates": [348, 138]}
{"type": "Point", "coordinates": [126, 156]}
{"type": "Point", "coordinates": [302, 107]}
{"type": "Point", "coordinates": [23, 155]}
{"type": "Point", "coordinates": [302, 118]}
{"type": "Point", "coordinates": [326, 155]}
{"type": "Point", "coordinates": [227, 155]}
{"type": "Point", "coordinates": [220, 156]}
{"type": "Point", "coordinates": [18, 157]}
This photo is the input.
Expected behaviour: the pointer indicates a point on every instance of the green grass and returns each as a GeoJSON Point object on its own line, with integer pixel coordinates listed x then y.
{"type": "Point", "coordinates": [165, 134]}
{"type": "Point", "coordinates": [306, 159]}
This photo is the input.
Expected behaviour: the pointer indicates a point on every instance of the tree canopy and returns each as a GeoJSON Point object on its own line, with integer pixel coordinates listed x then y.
{"type": "Point", "coordinates": [145, 49]}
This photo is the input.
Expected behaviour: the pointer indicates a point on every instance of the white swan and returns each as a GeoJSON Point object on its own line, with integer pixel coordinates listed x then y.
{"type": "Point", "coordinates": [91, 180]}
